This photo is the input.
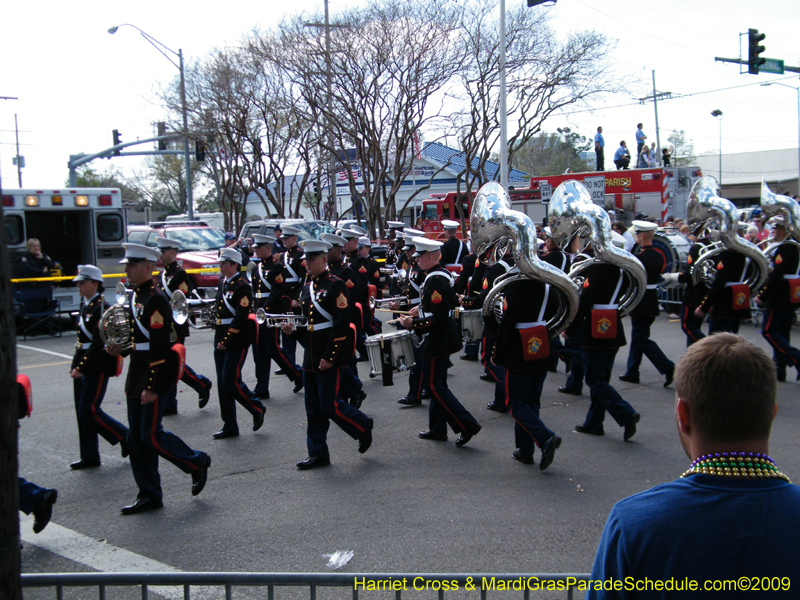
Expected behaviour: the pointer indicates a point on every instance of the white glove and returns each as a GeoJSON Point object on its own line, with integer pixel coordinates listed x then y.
{"type": "Point", "coordinates": [671, 277]}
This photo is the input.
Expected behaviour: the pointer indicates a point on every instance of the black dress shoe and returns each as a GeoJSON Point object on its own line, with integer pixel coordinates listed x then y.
{"type": "Point", "coordinates": [124, 448]}
{"type": "Point", "coordinates": [467, 357]}
{"type": "Point", "coordinates": [312, 462]}
{"type": "Point", "coordinates": [222, 434]}
{"type": "Point", "coordinates": [44, 510]}
{"type": "Point", "coordinates": [258, 420]}
{"type": "Point", "coordinates": [410, 401]}
{"type": "Point", "coordinates": [298, 385]}
{"type": "Point", "coordinates": [279, 372]}
{"type": "Point", "coordinates": [141, 505]}
{"type": "Point", "coordinates": [630, 426]}
{"type": "Point", "coordinates": [358, 400]}
{"type": "Point", "coordinates": [467, 435]}
{"type": "Point", "coordinates": [84, 464]}
{"type": "Point", "coordinates": [168, 412]}
{"type": "Point", "coordinates": [200, 477]}
{"type": "Point", "coordinates": [565, 390]}
{"type": "Point", "coordinates": [629, 378]}
{"type": "Point", "coordinates": [365, 441]}
{"type": "Point", "coordinates": [261, 395]}
{"type": "Point", "coordinates": [486, 377]}
{"type": "Point", "coordinates": [549, 452]}
{"type": "Point", "coordinates": [432, 435]}
{"type": "Point", "coordinates": [205, 396]}
{"type": "Point", "coordinates": [669, 376]}
{"type": "Point", "coordinates": [589, 430]}
{"type": "Point", "coordinates": [517, 455]}
{"type": "Point", "coordinates": [497, 407]}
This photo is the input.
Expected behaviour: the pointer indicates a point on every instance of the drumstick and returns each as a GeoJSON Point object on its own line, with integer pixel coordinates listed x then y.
{"type": "Point", "coordinates": [392, 322]}
{"type": "Point", "coordinates": [397, 312]}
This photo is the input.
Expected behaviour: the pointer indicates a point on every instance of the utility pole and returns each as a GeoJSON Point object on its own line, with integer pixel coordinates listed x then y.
{"type": "Point", "coordinates": [19, 160]}
{"type": "Point", "coordinates": [655, 98]}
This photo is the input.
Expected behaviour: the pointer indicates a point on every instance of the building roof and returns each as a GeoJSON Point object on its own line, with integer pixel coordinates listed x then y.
{"type": "Point", "coordinates": [440, 153]}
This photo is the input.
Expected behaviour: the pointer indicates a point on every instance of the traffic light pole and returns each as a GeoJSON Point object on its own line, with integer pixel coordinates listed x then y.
{"type": "Point", "coordinates": [739, 61]}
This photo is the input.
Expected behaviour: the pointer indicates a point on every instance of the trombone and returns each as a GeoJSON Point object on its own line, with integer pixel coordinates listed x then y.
{"type": "Point", "coordinates": [183, 308]}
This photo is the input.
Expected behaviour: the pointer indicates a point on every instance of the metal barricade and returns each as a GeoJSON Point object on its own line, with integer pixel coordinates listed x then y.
{"type": "Point", "coordinates": [179, 585]}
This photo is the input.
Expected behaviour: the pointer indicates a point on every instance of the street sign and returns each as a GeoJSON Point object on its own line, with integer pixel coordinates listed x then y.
{"type": "Point", "coordinates": [546, 190]}
{"type": "Point", "coordinates": [597, 188]}
{"type": "Point", "coordinates": [773, 65]}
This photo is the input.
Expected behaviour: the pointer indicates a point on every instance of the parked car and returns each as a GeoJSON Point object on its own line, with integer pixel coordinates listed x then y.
{"type": "Point", "coordinates": [308, 229]}
{"type": "Point", "coordinates": [200, 245]}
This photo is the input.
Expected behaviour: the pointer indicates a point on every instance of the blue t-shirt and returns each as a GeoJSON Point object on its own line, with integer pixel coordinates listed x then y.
{"type": "Point", "coordinates": [598, 137]}
{"type": "Point", "coordinates": [621, 151]}
{"type": "Point", "coordinates": [707, 529]}
{"type": "Point", "coordinates": [640, 136]}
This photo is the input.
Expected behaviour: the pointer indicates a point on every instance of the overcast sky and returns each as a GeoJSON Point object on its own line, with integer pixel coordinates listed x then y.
{"type": "Point", "coordinates": [76, 83]}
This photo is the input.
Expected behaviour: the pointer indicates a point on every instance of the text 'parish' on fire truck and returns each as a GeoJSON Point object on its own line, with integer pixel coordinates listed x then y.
{"type": "Point", "coordinates": [75, 226]}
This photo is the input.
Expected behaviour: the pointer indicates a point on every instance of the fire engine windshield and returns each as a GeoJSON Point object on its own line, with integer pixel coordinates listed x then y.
{"type": "Point", "coordinates": [198, 240]}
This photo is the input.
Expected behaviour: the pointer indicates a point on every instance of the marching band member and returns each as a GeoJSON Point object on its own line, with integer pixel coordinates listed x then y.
{"type": "Point", "coordinates": [352, 388]}
{"type": "Point", "coordinates": [372, 326]}
{"type": "Point", "coordinates": [780, 298]}
{"type": "Point", "coordinates": [472, 269]}
{"type": "Point", "coordinates": [644, 314]}
{"type": "Point", "coordinates": [727, 310]}
{"type": "Point", "coordinates": [496, 372]}
{"type": "Point", "coordinates": [523, 350]}
{"type": "Point", "coordinates": [231, 341]}
{"type": "Point", "coordinates": [359, 294]}
{"type": "Point", "coordinates": [174, 277]}
{"type": "Point", "coordinates": [268, 279]}
{"type": "Point", "coordinates": [90, 370]}
{"type": "Point", "coordinates": [415, 279]}
{"type": "Point", "coordinates": [149, 380]}
{"type": "Point", "coordinates": [453, 250]}
{"type": "Point", "coordinates": [602, 335]}
{"type": "Point", "coordinates": [329, 344]}
{"type": "Point", "coordinates": [293, 261]}
{"type": "Point", "coordinates": [694, 294]}
{"type": "Point", "coordinates": [553, 255]}
{"type": "Point", "coordinates": [433, 319]}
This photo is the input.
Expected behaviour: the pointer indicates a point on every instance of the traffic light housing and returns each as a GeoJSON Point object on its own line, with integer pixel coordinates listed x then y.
{"type": "Point", "coordinates": [199, 151]}
{"type": "Point", "coordinates": [162, 131]}
{"type": "Point", "coordinates": [316, 191]}
{"type": "Point", "coordinates": [115, 136]}
{"type": "Point", "coordinates": [754, 58]}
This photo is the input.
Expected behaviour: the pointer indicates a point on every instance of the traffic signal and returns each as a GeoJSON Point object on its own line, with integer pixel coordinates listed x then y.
{"type": "Point", "coordinates": [117, 140]}
{"type": "Point", "coordinates": [199, 151]}
{"type": "Point", "coordinates": [162, 131]}
{"type": "Point", "coordinates": [754, 58]}
{"type": "Point", "coordinates": [537, 2]}
{"type": "Point", "coordinates": [316, 191]}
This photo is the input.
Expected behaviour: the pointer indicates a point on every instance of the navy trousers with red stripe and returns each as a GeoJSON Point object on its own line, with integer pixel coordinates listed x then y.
{"type": "Point", "coordinates": [232, 389]}
{"type": "Point", "coordinates": [89, 391]}
{"type": "Point", "coordinates": [524, 391]}
{"type": "Point", "coordinates": [691, 325]}
{"type": "Point", "coordinates": [149, 440]}
{"type": "Point", "coordinates": [497, 373]}
{"type": "Point", "coordinates": [265, 351]}
{"type": "Point", "coordinates": [778, 331]}
{"type": "Point", "coordinates": [30, 495]}
{"type": "Point", "coordinates": [324, 406]}
{"type": "Point", "coordinates": [445, 408]}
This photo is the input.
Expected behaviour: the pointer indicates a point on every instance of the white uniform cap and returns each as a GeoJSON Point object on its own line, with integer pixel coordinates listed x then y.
{"type": "Point", "coordinates": [743, 225]}
{"type": "Point", "coordinates": [289, 231]}
{"type": "Point", "coordinates": [138, 253]}
{"type": "Point", "coordinates": [263, 240]}
{"type": "Point", "coordinates": [359, 230]}
{"type": "Point", "coordinates": [777, 220]}
{"type": "Point", "coordinates": [413, 232]}
{"type": "Point", "coordinates": [86, 272]}
{"type": "Point", "coordinates": [231, 254]}
{"type": "Point", "coordinates": [396, 224]}
{"type": "Point", "coordinates": [640, 226]}
{"type": "Point", "coordinates": [424, 245]}
{"type": "Point", "coordinates": [348, 234]}
{"type": "Point", "coordinates": [617, 240]}
{"type": "Point", "coordinates": [364, 241]}
{"type": "Point", "coordinates": [333, 240]}
{"type": "Point", "coordinates": [548, 232]}
{"type": "Point", "coordinates": [166, 243]}
{"type": "Point", "coordinates": [448, 224]}
{"type": "Point", "coordinates": [314, 247]}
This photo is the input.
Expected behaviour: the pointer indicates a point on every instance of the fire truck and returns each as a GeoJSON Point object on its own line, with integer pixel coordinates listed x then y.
{"type": "Point", "coordinates": [75, 226]}
{"type": "Point", "coordinates": [661, 192]}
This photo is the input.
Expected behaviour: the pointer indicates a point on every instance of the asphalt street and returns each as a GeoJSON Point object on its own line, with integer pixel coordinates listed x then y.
{"type": "Point", "coordinates": [407, 505]}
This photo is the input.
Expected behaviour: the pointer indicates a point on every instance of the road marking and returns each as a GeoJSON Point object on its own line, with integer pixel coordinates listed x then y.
{"type": "Point", "coordinates": [44, 351]}
{"type": "Point", "coordinates": [25, 368]}
{"type": "Point", "coordinates": [100, 556]}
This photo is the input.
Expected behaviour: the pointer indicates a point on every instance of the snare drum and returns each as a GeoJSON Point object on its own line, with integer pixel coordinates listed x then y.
{"type": "Point", "coordinates": [399, 345]}
{"type": "Point", "coordinates": [471, 325]}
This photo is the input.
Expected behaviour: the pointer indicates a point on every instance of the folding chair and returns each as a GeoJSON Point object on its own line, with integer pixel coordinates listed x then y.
{"type": "Point", "coordinates": [35, 307]}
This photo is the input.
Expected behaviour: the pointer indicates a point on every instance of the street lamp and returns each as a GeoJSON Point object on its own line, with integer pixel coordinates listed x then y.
{"type": "Point", "coordinates": [718, 113]}
{"type": "Point", "coordinates": [798, 124]}
{"type": "Point", "coordinates": [162, 48]}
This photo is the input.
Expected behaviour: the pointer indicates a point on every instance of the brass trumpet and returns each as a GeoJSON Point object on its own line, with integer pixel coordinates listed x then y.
{"type": "Point", "coordinates": [384, 302]}
{"type": "Point", "coordinates": [272, 320]}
